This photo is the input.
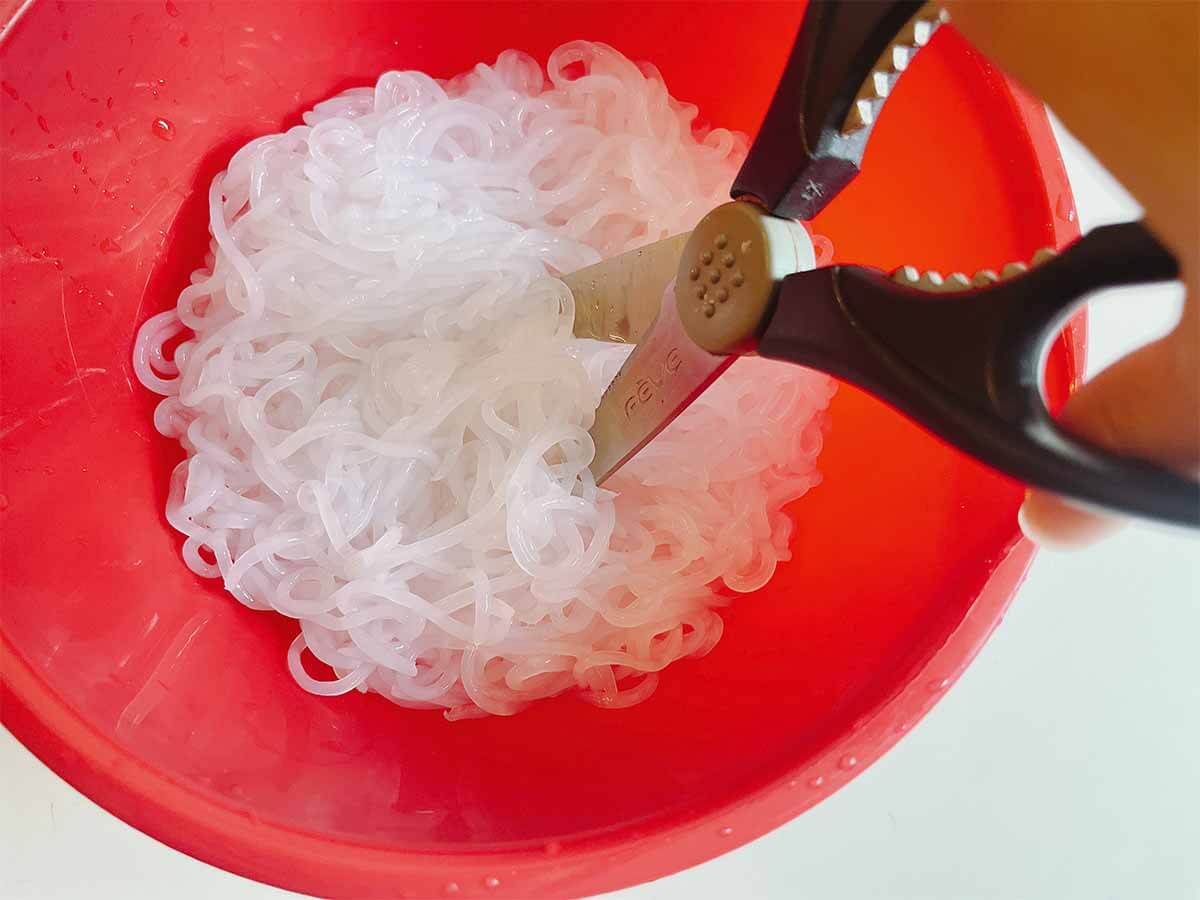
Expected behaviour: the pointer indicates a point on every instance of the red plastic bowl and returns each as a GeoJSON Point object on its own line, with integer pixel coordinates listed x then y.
{"type": "Point", "coordinates": [168, 703]}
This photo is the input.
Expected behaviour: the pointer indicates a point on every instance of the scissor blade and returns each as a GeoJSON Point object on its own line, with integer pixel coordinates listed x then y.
{"type": "Point", "coordinates": [617, 300]}
{"type": "Point", "coordinates": [663, 375]}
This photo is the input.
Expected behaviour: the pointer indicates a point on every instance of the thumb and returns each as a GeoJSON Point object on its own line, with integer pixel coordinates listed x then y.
{"type": "Point", "coordinates": [1145, 405]}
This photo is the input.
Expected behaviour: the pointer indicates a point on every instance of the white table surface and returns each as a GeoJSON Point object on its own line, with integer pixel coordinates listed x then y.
{"type": "Point", "coordinates": [1064, 764]}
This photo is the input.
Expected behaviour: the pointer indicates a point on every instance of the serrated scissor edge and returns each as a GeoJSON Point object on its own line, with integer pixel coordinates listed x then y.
{"type": "Point", "coordinates": [895, 58]}
{"type": "Point", "coordinates": [935, 283]}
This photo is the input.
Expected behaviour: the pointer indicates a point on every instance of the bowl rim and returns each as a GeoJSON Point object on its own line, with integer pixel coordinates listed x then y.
{"type": "Point", "coordinates": [237, 841]}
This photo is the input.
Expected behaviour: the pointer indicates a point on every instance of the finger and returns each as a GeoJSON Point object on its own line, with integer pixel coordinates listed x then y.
{"type": "Point", "coordinates": [1145, 405]}
{"type": "Point", "coordinates": [1112, 70]}
{"type": "Point", "coordinates": [1049, 521]}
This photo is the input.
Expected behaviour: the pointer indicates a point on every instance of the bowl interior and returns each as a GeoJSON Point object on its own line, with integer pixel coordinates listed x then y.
{"type": "Point", "coordinates": [104, 219]}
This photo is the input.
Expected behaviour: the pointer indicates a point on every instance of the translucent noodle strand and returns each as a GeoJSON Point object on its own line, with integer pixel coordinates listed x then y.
{"type": "Point", "coordinates": [386, 416]}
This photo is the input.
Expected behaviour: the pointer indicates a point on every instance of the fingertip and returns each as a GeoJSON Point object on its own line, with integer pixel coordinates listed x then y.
{"type": "Point", "coordinates": [1053, 524]}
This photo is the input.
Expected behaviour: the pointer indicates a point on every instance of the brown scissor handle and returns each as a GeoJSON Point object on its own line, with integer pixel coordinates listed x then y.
{"type": "Point", "coordinates": [845, 61]}
{"type": "Point", "coordinates": [968, 365]}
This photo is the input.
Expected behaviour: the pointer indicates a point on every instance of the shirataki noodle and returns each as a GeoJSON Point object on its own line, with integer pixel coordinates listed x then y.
{"type": "Point", "coordinates": [386, 416]}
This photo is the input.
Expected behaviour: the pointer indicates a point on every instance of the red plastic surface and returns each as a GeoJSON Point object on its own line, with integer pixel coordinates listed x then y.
{"type": "Point", "coordinates": [168, 703]}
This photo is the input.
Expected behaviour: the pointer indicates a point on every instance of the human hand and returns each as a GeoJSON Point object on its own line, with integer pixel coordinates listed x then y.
{"type": "Point", "coordinates": [1124, 78]}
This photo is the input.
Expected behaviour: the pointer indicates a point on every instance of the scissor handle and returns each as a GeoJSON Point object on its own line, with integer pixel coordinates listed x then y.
{"type": "Point", "coordinates": [968, 365]}
{"type": "Point", "coordinates": [846, 59]}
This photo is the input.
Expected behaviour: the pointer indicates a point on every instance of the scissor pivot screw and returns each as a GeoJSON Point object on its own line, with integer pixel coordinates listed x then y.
{"type": "Point", "coordinates": [762, 250]}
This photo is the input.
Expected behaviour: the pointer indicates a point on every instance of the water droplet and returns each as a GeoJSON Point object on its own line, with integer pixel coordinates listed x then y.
{"type": "Point", "coordinates": [939, 685]}
{"type": "Point", "coordinates": [1065, 208]}
{"type": "Point", "coordinates": [184, 40]}
{"type": "Point", "coordinates": [109, 103]}
{"type": "Point", "coordinates": [725, 832]}
{"type": "Point", "coordinates": [172, 10]}
{"type": "Point", "coordinates": [48, 470]}
{"type": "Point", "coordinates": [822, 249]}
{"type": "Point", "coordinates": [74, 189]}
{"type": "Point", "coordinates": [793, 784]}
{"type": "Point", "coordinates": [849, 761]}
{"type": "Point", "coordinates": [491, 882]}
{"type": "Point", "coordinates": [451, 889]}
{"type": "Point", "coordinates": [902, 728]}
{"type": "Point", "coordinates": [70, 80]}
{"type": "Point", "coordinates": [77, 156]}
{"type": "Point", "coordinates": [816, 781]}
{"type": "Point", "coordinates": [10, 90]}
{"type": "Point", "coordinates": [163, 129]}
{"type": "Point", "coordinates": [43, 124]}
{"type": "Point", "coordinates": [108, 245]}
{"type": "Point", "coordinates": [552, 849]}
